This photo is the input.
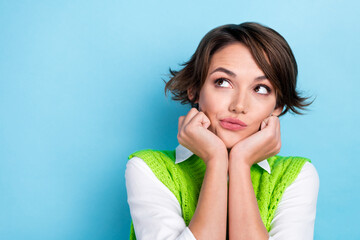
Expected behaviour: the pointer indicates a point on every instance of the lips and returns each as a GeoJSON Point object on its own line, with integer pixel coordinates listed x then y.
{"type": "Point", "coordinates": [232, 124]}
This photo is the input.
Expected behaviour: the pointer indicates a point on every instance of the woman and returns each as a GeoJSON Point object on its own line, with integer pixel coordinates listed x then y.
{"type": "Point", "coordinates": [225, 180]}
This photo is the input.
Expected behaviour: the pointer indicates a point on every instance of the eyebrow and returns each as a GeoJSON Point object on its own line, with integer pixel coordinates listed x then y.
{"type": "Point", "coordinates": [230, 73]}
{"type": "Point", "coordinates": [224, 70]}
{"type": "Point", "coordinates": [261, 78]}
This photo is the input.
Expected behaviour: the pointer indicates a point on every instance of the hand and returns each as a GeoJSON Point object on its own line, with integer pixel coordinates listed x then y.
{"type": "Point", "coordinates": [193, 134]}
{"type": "Point", "coordinates": [259, 146]}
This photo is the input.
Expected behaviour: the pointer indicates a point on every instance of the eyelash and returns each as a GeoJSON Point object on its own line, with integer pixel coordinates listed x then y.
{"type": "Point", "coordinates": [268, 89]}
{"type": "Point", "coordinates": [221, 79]}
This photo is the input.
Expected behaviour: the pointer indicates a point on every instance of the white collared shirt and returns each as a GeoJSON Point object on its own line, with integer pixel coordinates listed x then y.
{"type": "Point", "coordinates": [156, 213]}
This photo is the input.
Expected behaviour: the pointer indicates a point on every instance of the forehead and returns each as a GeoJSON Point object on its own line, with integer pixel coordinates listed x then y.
{"type": "Point", "coordinates": [237, 58]}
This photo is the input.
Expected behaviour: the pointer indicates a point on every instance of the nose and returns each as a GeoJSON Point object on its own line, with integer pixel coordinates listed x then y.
{"type": "Point", "coordinates": [238, 103]}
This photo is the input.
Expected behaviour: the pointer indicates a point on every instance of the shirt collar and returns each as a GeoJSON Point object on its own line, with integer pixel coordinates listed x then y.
{"type": "Point", "coordinates": [182, 154]}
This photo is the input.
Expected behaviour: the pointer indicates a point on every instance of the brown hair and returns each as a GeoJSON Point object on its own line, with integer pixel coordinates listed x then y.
{"type": "Point", "coordinates": [269, 49]}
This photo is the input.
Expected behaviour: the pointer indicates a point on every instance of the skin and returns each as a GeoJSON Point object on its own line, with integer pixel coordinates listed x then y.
{"type": "Point", "coordinates": [235, 87]}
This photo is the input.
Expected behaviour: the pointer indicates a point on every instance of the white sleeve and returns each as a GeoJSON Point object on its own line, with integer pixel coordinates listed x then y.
{"type": "Point", "coordinates": [295, 215]}
{"type": "Point", "coordinates": [155, 211]}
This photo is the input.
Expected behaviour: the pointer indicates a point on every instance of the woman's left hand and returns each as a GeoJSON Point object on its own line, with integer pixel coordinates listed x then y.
{"type": "Point", "coordinates": [261, 145]}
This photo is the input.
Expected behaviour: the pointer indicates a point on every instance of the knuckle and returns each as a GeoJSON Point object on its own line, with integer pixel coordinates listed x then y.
{"type": "Point", "coordinates": [269, 135]}
{"type": "Point", "coordinates": [180, 135]}
{"type": "Point", "coordinates": [186, 130]}
{"type": "Point", "coordinates": [192, 110]}
{"type": "Point", "coordinates": [203, 115]}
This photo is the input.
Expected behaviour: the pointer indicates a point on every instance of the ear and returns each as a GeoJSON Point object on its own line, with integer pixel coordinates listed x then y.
{"type": "Point", "coordinates": [277, 111]}
{"type": "Point", "coordinates": [190, 93]}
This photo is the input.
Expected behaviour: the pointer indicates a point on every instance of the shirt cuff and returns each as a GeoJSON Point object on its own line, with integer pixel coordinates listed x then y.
{"type": "Point", "coordinates": [186, 235]}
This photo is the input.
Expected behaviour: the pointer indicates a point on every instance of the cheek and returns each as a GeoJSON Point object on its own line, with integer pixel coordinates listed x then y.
{"type": "Point", "coordinates": [261, 111]}
{"type": "Point", "coordinates": [262, 115]}
{"type": "Point", "coordinates": [211, 109]}
{"type": "Point", "coordinates": [206, 102]}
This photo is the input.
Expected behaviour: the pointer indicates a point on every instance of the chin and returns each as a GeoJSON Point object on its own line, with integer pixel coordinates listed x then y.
{"type": "Point", "coordinates": [230, 143]}
{"type": "Point", "coordinates": [230, 140]}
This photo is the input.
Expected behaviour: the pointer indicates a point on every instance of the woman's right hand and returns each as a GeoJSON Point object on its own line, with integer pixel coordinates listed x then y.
{"type": "Point", "coordinates": [193, 134]}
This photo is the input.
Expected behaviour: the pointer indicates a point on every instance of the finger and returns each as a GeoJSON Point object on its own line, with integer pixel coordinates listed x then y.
{"type": "Point", "coordinates": [278, 128]}
{"type": "Point", "coordinates": [264, 123]}
{"type": "Point", "coordinates": [278, 124]}
{"type": "Point", "coordinates": [202, 119]}
{"type": "Point", "coordinates": [274, 123]}
{"type": "Point", "coordinates": [180, 122]}
{"type": "Point", "coordinates": [189, 116]}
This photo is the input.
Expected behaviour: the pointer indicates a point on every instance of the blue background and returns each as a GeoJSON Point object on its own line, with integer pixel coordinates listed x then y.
{"type": "Point", "coordinates": [81, 88]}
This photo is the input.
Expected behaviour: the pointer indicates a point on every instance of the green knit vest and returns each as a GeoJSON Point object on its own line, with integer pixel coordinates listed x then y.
{"type": "Point", "coordinates": [184, 181]}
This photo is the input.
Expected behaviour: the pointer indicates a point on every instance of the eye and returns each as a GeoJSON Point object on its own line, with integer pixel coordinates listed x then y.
{"type": "Point", "coordinates": [262, 89]}
{"type": "Point", "coordinates": [222, 82]}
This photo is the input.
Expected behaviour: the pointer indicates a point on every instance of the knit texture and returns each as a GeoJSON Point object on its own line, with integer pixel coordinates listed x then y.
{"type": "Point", "coordinates": [184, 180]}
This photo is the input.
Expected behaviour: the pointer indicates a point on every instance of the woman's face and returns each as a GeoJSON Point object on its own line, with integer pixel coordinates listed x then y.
{"type": "Point", "coordinates": [236, 95]}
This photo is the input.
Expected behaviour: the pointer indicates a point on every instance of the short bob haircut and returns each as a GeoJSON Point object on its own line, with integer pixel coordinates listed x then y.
{"type": "Point", "coordinates": [269, 49]}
